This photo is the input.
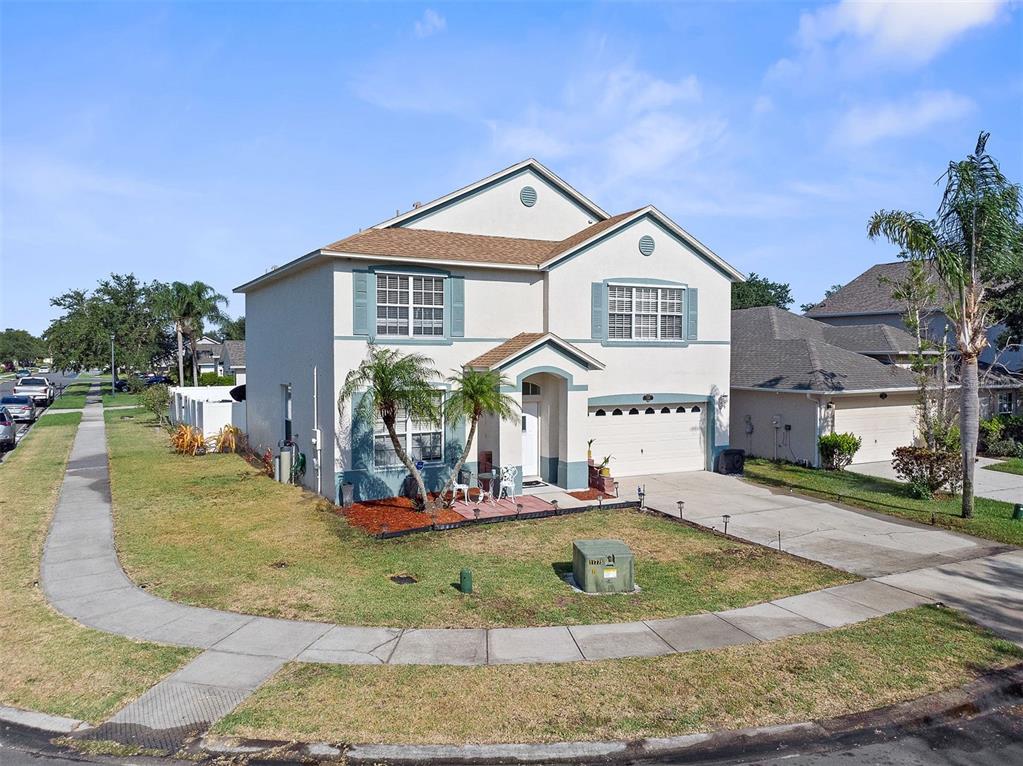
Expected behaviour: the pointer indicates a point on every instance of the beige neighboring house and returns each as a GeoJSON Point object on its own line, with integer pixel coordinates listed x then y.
{"type": "Point", "coordinates": [232, 360]}
{"type": "Point", "coordinates": [794, 378]}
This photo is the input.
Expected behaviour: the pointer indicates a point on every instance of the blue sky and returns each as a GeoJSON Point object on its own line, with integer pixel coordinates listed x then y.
{"type": "Point", "coordinates": [212, 141]}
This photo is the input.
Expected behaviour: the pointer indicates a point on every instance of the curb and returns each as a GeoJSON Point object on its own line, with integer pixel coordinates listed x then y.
{"type": "Point", "coordinates": [989, 692]}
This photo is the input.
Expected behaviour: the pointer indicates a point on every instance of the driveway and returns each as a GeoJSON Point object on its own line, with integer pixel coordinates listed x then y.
{"type": "Point", "coordinates": [995, 485]}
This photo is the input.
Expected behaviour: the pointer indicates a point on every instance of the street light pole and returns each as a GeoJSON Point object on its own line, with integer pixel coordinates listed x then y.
{"type": "Point", "coordinates": [113, 370]}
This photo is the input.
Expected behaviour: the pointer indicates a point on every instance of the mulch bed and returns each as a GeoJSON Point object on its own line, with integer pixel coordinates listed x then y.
{"type": "Point", "coordinates": [591, 494]}
{"type": "Point", "coordinates": [394, 514]}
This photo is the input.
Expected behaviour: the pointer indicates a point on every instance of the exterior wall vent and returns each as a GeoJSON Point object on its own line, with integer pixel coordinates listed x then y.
{"type": "Point", "coordinates": [646, 244]}
{"type": "Point", "coordinates": [527, 196]}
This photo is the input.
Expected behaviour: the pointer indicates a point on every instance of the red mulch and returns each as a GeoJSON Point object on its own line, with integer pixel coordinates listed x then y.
{"type": "Point", "coordinates": [591, 494]}
{"type": "Point", "coordinates": [397, 514]}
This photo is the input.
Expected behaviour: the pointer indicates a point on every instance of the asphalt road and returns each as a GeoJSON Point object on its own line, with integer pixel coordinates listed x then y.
{"type": "Point", "coordinates": [6, 386]}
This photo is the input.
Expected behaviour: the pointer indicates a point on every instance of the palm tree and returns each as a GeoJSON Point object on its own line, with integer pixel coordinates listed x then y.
{"type": "Point", "coordinates": [189, 306]}
{"type": "Point", "coordinates": [475, 393]}
{"type": "Point", "coordinates": [975, 240]}
{"type": "Point", "coordinates": [391, 383]}
{"type": "Point", "coordinates": [174, 302]}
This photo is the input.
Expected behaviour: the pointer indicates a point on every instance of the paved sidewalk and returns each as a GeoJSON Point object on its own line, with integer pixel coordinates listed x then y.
{"type": "Point", "coordinates": [996, 485]}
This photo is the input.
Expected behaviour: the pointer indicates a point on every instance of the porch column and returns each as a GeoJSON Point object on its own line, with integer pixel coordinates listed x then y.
{"type": "Point", "coordinates": [509, 442]}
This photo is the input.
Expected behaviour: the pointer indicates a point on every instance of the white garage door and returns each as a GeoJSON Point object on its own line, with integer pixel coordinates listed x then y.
{"type": "Point", "coordinates": [881, 426]}
{"type": "Point", "coordinates": [655, 439]}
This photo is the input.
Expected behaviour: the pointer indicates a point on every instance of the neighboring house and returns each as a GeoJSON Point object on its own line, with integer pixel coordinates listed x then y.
{"type": "Point", "coordinates": [614, 328]}
{"type": "Point", "coordinates": [1001, 392]}
{"type": "Point", "coordinates": [233, 360]}
{"type": "Point", "coordinates": [794, 378]}
{"type": "Point", "coordinates": [868, 300]}
{"type": "Point", "coordinates": [208, 351]}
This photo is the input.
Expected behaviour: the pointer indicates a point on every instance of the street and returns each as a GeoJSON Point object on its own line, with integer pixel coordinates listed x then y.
{"type": "Point", "coordinates": [58, 379]}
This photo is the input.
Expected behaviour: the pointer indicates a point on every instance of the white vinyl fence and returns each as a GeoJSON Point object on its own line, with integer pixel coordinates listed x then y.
{"type": "Point", "coordinates": [208, 408]}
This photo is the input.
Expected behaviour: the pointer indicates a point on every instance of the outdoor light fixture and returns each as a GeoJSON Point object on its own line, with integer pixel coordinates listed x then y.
{"type": "Point", "coordinates": [476, 513]}
{"type": "Point", "coordinates": [884, 396]}
{"type": "Point", "coordinates": [648, 397]}
{"type": "Point", "coordinates": [681, 508]}
{"type": "Point", "coordinates": [554, 502]}
{"type": "Point", "coordinates": [518, 509]}
{"type": "Point", "coordinates": [725, 518]}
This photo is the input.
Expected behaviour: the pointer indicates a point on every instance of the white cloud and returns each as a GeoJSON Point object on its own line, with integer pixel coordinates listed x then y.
{"type": "Point", "coordinates": [430, 24]}
{"type": "Point", "coordinates": [852, 36]}
{"type": "Point", "coordinates": [864, 125]}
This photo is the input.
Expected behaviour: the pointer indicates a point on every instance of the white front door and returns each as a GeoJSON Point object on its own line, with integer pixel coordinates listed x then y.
{"type": "Point", "coordinates": [531, 439]}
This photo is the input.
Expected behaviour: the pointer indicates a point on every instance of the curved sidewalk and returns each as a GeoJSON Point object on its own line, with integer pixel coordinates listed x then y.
{"type": "Point", "coordinates": [83, 579]}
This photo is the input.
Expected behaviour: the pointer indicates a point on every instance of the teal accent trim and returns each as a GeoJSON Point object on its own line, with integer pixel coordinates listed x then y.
{"type": "Point", "coordinates": [443, 341]}
{"type": "Point", "coordinates": [645, 343]}
{"type": "Point", "coordinates": [390, 340]}
{"type": "Point", "coordinates": [503, 179]}
{"type": "Point", "coordinates": [360, 302]}
{"type": "Point", "coordinates": [560, 351]}
{"type": "Point", "coordinates": [362, 436]}
{"type": "Point", "coordinates": [692, 313]}
{"type": "Point", "coordinates": [598, 310]}
{"type": "Point", "coordinates": [574, 475]}
{"type": "Point", "coordinates": [457, 305]}
{"type": "Point", "coordinates": [549, 469]}
{"type": "Point", "coordinates": [572, 385]}
{"type": "Point", "coordinates": [618, 399]}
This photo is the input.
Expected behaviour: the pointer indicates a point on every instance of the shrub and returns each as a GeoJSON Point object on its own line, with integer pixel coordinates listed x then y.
{"type": "Point", "coordinates": [1003, 448]}
{"type": "Point", "coordinates": [838, 450]}
{"type": "Point", "coordinates": [156, 399]}
{"type": "Point", "coordinates": [927, 471]}
{"type": "Point", "coordinates": [188, 440]}
{"type": "Point", "coordinates": [990, 431]}
{"type": "Point", "coordinates": [136, 385]}
{"type": "Point", "coordinates": [229, 439]}
{"type": "Point", "coordinates": [1012, 427]}
{"type": "Point", "coordinates": [212, 379]}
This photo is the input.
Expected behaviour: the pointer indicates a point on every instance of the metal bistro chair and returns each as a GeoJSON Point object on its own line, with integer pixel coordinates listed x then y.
{"type": "Point", "coordinates": [506, 488]}
{"type": "Point", "coordinates": [462, 484]}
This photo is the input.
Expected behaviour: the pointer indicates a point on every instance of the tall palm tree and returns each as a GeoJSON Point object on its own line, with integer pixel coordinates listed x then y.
{"type": "Point", "coordinates": [174, 301]}
{"type": "Point", "coordinates": [189, 306]}
{"type": "Point", "coordinates": [975, 240]}
{"type": "Point", "coordinates": [391, 383]}
{"type": "Point", "coordinates": [475, 393]}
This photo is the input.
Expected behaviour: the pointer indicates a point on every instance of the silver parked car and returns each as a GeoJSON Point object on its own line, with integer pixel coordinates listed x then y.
{"type": "Point", "coordinates": [20, 406]}
{"type": "Point", "coordinates": [8, 430]}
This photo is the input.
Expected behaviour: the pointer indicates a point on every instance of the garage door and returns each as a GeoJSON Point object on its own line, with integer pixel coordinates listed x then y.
{"type": "Point", "coordinates": [882, 427]}
{"type": "Point", "coordinates": [656, 439]}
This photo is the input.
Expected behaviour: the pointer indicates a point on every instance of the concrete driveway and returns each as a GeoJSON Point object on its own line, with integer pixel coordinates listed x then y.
{"type": "Point", "coordinates": [995, 485]}
{"type": "Point", "coordinates": [868, 544]}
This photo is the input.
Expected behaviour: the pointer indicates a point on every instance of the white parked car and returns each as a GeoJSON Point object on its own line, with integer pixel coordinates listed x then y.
{"type": "Point", "coordinates": [40, 389]}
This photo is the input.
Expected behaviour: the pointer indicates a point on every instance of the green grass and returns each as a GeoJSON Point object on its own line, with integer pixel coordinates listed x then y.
{"type": "Point", "coordinates": [59, 419]}
{"type": "Point", "coordinates": [880, 662]}
{"type": "Point", "coordinates": [1011, 465]}
{"type": "Point", "coordinates": [213, 531]}
{"type": "Point", "coordinates": [992, 518]}
{"type": "Point", "coordinates": [51, 663]}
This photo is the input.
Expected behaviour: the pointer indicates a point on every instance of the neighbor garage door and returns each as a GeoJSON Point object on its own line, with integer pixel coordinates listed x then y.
{"type": "Point", "coordinates": [882, 424]}
{"type": "Point", "coordinates": [657, 439]}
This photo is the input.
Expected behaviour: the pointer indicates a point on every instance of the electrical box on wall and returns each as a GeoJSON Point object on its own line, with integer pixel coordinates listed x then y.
{"type": "Point", "coordinates": [776, 421]}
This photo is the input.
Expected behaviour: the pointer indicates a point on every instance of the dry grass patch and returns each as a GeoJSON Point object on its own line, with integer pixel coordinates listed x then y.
{"type": "Point", "coordinates": [49, 662]}
{"type": "Point", "coordinates": [886, 660]}
{"type": "Point", "coordinates": [212, 531]}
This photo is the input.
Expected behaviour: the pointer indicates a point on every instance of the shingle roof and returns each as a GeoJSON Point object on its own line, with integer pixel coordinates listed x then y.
{"type": "Point", "coordinates": [234, 352]}
{"type": "Point", "coordinates": [453, 246]}
{"type": "Point", "coordinates": [510, 347]}
{"type": "Point", "coordinates": [870, 338]}
{"type": "Point", "coordinates": [869, 293]}
{"type": "Point", "coordinates": [777, 350]}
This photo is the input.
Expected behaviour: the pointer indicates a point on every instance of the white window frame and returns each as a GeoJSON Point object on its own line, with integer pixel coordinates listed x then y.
{"type": "Point", "coordinates": [659, 312]}
{"type": "Point", "coordinates": [407, 285]}
{"type": "Point", "coordinates": [998, 403]}
{"type": "Point", "coordinates": [407, 428]}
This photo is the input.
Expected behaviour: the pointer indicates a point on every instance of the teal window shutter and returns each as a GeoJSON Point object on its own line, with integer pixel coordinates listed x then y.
{"type": "Point", "coordinates": [598, 307]}
{"type": "Point", "coordinates": [692, 313]}
{"type": "Point", "coordinates": [457, 306]}
{"type": "Point", "coordinates": [360, 302]}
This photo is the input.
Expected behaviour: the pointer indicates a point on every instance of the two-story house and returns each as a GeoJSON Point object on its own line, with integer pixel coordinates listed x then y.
{"type": "Point", "coordinates": [610, 328]}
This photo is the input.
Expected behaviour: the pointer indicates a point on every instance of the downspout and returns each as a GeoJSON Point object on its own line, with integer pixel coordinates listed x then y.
{"type": "Point", "coordinates": [316, 430]}
{"type": "Point", "coordinates": [816, 431]}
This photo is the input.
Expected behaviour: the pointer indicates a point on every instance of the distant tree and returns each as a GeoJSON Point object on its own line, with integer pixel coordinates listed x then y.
{"type": "Point", "coordinates": [975, 241]}
{"type": "Point", "coordinates": [20, 347]}
{"type": "Point", "coordinates": [1007, 307]}
{"type": "Point", "coordinates": [121, 305]}
{"type": "Point", "coordinates": [233, 329]}
{"type": "Point", "coordinates": [827, 294]}
{"type": "Point", "coordinates": [760, 291]}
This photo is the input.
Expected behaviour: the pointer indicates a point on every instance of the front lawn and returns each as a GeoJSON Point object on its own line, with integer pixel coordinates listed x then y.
{"type": "Point", "coordinates": [880, 662]}
{"type": "Point", "coordinates": [1010, 465]}
{"type": "Point", "coordinates": [51, 663]}
{"type": "Point", "coordinates": [213, 531]}
{"type": "Point", "coordinates": [992, 519]}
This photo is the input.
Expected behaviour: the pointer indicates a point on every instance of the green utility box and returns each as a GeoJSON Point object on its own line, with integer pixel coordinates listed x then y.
{"type": "Point", "coordinates": [603, 566]}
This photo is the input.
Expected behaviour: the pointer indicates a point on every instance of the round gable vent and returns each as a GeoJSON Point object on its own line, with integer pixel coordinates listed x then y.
{"type": "Point", "coordinates": [527, 196]}
{"type": "Point", "coordinates": [646, 244]}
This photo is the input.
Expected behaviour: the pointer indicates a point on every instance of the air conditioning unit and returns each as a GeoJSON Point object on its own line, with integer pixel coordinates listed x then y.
{"type": "Point", "coordinates": [731, 461]}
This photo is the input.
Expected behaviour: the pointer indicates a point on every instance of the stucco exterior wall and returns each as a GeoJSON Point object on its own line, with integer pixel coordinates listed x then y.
{"type": "Point", "coordinates": [755, 409]}
{"type": "Point", "coordinates": [498, 211]}
{"type": "Point", "coordinates": [288, 336]}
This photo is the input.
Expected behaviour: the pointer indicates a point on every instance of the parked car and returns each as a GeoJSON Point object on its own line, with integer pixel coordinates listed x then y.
{"type": "Point", "coordinates": [22, 373]}
{"type": "Point", "coordinates": [44, 370]}
{"type": "Point", "coordinates": [121, 385]}
{"type": "Point", "coordinates": [20, 406]}
{"type": "Point", "coordinates": [8, 430]}
{"type": "Point", "coordinates": [157, 380]}
{"type": "Point", "coordinates": [39, 388]}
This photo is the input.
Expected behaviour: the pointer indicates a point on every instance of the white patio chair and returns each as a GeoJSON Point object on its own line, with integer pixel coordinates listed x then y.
{"type": "Point", "coordinates": [463, 488]}
{"type": "Point", "coordinates": [507, 486]}
{"type": "Point", "coordinates": [486, 492]}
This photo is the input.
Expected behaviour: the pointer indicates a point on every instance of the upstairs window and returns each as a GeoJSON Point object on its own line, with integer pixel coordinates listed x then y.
{"type": "Point", "coordinates": [644, 313]}
{"type": "Point", "coordinates": [404, 298]}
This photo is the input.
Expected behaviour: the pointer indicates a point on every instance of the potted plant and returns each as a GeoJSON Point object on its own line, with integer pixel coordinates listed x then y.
{"type": "Point", "coordinates": [589, 450]}
{"type": "Point", "coordinates": [605, 465]}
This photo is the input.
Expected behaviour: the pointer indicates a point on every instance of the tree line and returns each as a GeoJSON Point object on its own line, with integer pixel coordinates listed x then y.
{"type": "Point", "coordinates": [151, 324]}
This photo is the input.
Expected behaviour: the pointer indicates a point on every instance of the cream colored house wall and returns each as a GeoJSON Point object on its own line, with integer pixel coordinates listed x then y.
{"type": "Point", "coordinates": [755, 410]}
